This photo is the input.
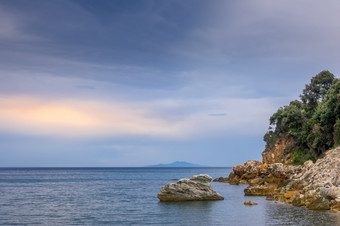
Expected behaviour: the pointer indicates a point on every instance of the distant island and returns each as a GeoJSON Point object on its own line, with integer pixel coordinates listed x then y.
{"type": "Point", "coordinates": [177, 164]}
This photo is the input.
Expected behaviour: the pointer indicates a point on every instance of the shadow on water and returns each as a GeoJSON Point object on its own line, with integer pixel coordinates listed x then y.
{"type": "Point", "coordinates": [280, 213]}
{"type": "Point", "coordinates": [190, 212]}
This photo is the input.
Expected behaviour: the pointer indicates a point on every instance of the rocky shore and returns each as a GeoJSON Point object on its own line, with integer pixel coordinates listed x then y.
{"type": "Point", "coordinates": [314, 185]}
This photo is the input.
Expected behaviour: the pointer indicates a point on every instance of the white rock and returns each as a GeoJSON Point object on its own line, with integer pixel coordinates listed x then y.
{"type": "Point", "coordinates": [194, 189]}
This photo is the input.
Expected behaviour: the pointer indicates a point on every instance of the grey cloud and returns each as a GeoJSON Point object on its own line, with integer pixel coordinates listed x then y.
{"type": "Point", "coordinates": [85, 87]}
{"type": "Point", "coordinates": [217, 114]}
{"type": "Point", "coordinates": [267, 29]}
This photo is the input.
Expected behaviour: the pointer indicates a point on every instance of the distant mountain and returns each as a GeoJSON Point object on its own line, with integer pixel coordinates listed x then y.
{"type": "Point", "coordinates": [177, 164]}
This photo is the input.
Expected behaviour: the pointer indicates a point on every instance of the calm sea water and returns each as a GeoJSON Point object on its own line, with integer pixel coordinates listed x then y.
{"type": "Point", "coordinates": [128, 196]}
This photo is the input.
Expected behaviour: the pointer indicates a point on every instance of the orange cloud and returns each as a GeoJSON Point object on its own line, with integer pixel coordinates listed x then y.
{"type": "Point", "coordinates": [90, 118]}
{"type": "Point", "coordinates": [76, 118]}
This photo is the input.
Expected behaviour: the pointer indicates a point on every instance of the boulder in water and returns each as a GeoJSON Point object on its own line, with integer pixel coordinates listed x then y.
{"type": "Point", "coordinates": [197, 188]}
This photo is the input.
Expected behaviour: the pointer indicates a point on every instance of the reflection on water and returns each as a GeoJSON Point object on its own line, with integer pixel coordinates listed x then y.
{"type": "Point", "coordinates": [195, 212]}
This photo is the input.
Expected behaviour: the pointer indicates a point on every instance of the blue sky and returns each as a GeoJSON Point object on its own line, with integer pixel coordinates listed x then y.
{"type": "Point", "coordinates": [134, 83]}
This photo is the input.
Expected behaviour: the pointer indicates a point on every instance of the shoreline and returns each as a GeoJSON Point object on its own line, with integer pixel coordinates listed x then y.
{"type": "Point", "coordinates": [314, 185]}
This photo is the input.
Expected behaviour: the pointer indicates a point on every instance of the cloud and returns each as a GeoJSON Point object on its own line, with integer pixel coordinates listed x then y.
{"type": "Point", "coordinates": [85, 87]}
{"type": "Point", "coordinates": [8, 25]}
{"type": "Point", "coordinates": [95, 93]}
{"type": "Point", "coordinates": [11, 28]}
{"type": "Point", "coordinates": [293, 31]}
{"type": "Point", "coordinates": [76, 118]}
{"type": "Point", "coordinates": [52, 105]}
{"type": "Point", "coordinates": [93, 118]}
{"type": "Point", "coordinates": [217, 114]}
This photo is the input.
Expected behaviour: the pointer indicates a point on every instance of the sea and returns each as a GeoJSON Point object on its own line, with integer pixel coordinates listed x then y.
{"type": "Point", "coordinates": [128, 196]}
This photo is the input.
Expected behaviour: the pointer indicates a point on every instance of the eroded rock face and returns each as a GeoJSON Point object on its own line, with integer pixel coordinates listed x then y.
{"type": "Point", "coordinates": [195, 189]}
{"type": "Point", "coordinates": [255, 173]}
{"type": "Point", "coordinates": [318, 183]}
{"type": "Point", "coordinates": [278, 152]}
{"type": "Point", "coordinates": [313, 185]}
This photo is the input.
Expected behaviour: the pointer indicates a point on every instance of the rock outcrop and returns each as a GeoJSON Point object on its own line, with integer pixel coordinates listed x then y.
{"type": "Point", "coordinates": [315, 185]}
{"type": "Point", "coordinates": [197, 188]}
{"type": "Point", "coordinates": [318, 185]}
{"type": "Point", "coordinates": [265, 176]}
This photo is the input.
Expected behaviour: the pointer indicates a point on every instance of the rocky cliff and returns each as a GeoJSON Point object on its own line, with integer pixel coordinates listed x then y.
{"type": "Point", "coordinates": [278, 152]}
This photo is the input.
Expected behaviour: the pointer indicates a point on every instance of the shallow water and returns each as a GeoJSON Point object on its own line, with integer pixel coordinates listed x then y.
{"type": "Point", "coordinates": [128, 196]}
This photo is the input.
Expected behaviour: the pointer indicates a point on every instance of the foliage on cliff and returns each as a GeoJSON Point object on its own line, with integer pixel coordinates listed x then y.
{"type": "Point", "coordinates": [312, 123]}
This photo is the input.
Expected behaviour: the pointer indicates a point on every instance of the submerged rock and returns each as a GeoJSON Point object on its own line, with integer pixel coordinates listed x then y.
{"type": "Point", "coordinates": [298, 201]}
{"type": "Point", "coordinates": [195, 189]}
{"type": "Point", "coordinates": [319, 203]}
{"type": "Point", "coordinates": [335, 206]}
{"type": "Point", "coordinates": [221, 179]}
{"type": "Point", "coordinates": [249, 203]}
{"type": "Point", "coordinates": [259, 190]}
{"type": "Point", "coordinates": [270, 197]}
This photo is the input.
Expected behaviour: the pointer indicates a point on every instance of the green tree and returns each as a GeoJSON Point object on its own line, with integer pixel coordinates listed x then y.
{"type": "Point", "coordinates": [317, 89]}
{"type": "Point", "coordinates": [289, 119]}
{"type": "Point", "coordinates": [313, 124]}
{"type": "Point", "coordinates": [325, 120]}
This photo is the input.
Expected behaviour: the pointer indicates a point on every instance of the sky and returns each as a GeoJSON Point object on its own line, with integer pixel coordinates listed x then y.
{"type": "Point", "coordinates": [87, 83]}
